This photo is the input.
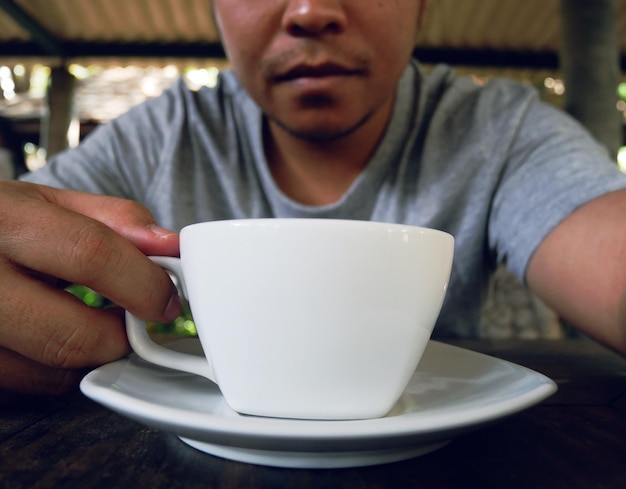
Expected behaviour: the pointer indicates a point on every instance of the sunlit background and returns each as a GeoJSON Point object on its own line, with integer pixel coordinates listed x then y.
{"type": "Point", "coordinates": [102, 94]}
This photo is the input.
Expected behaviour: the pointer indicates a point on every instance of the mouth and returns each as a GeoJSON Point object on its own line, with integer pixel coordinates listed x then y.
{"type": "Point", "coordinates": [316, 71]}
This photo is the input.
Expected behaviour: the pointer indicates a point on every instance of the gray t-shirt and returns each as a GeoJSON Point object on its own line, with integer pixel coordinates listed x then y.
{"type": "Point", "coordinates": [491, 164]}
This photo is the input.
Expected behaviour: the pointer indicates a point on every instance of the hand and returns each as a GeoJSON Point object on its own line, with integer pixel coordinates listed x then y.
{"type": "Point", "coordinates": [49, 238]}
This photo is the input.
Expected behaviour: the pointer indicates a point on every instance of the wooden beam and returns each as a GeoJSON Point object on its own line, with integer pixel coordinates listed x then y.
{"type": "Point", "coordinates": [484, 58]}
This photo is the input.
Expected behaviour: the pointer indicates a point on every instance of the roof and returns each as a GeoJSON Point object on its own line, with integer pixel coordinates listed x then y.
{"type": "Point", "coordinates": [512, 33]}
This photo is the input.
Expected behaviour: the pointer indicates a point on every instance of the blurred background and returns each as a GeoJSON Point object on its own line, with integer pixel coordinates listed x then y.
{"type": "Point", "coordinates": [67, 66]}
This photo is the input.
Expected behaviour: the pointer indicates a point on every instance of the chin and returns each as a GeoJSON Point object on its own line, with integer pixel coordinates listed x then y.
{"type": "Point", "coordinates": [323, 131]}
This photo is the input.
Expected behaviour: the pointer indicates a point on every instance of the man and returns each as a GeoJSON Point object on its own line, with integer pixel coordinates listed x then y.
{"type": "Point", "coordinates": [324, 116]}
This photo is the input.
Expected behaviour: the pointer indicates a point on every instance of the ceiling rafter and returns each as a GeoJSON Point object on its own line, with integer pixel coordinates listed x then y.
{"type": "Point", "coordinates": [46, 41]}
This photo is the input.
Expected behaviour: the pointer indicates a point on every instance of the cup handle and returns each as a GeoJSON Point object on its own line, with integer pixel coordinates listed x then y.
{"type": "Point", "coordinates": [147, 349]}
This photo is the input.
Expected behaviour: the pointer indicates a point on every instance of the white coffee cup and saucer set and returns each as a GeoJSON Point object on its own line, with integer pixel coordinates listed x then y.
{"type": "Point", "coordinates": [313, 348]}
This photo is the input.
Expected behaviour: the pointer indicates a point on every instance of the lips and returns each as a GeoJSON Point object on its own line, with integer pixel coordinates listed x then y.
{"type": "Point", "coordinates": [316, 71]}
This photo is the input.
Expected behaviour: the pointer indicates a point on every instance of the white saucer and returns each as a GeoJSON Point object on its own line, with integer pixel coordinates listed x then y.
{"type": "Point", "coordinates": [453, 391]}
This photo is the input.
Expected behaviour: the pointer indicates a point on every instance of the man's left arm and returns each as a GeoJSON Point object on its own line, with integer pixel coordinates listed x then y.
{"type": "Point", "coordinates": [580, 270]}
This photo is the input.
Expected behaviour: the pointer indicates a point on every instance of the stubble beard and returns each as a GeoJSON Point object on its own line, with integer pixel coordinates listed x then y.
{"type": "Point", "coordinates": [320, 134]}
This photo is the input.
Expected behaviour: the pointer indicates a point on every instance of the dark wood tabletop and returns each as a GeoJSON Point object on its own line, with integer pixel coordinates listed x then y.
{"type": "Point", "coordinates": [574, 439]}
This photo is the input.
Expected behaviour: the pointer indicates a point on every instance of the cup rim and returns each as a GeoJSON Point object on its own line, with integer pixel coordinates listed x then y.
{"type": "Point", "coordinates": [313, 222]}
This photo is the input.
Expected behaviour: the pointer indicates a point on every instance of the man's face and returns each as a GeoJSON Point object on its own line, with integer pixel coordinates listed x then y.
{"type": "Point", "coordinates": [319, 68]}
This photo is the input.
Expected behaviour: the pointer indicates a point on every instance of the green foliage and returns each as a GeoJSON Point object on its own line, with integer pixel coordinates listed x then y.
{"type": "Point", "coordinates": [88, 296]}
{"type": "Point", "coordinates": [181, 326]}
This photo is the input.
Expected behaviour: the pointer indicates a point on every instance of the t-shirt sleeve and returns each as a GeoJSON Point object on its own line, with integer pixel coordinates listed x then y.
{"type": "Point", "coordinates": [553, 166]}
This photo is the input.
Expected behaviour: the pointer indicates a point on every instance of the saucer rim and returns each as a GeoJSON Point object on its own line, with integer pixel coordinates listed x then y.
{"type": "Point", "coordinates": [252, 432]}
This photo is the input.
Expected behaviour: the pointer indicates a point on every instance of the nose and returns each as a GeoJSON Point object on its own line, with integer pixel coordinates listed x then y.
{"type": "Point", "coordinates": [305, 18]}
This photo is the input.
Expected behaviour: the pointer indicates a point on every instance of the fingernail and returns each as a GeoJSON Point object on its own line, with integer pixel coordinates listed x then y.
{"type": "Point", "coordinates": [162, 232]}
{"type": "Point", "coordinates": [174, 308]}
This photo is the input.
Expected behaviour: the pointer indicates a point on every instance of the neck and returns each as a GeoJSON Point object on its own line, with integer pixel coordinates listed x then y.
{"type": "Point", "coordinates": [320, 173]}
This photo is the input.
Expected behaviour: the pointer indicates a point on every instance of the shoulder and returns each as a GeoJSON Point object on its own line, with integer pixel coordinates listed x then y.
{"type": "Point", "coordinates": [182, 100]}
{"type": "Point", "coordinates": [449, 94]}
{"type": "Point", "coordinates": [493, 116]}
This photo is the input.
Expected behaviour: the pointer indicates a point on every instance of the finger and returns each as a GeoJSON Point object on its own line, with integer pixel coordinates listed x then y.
{"type": "Point", "coordinates": [57, 329]}
{"type": "Point", "coordinates": [128, 218]}
{"type": "Point", "coordinates": [19, 374]}
{"type": "Point", "coordinates": [60, 242]}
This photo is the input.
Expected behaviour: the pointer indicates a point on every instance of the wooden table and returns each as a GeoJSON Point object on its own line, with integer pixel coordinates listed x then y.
{"type": "Point", "coordinates": [575, 439]}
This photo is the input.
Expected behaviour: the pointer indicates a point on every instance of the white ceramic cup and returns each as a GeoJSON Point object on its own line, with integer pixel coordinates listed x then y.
{"type": "Point", "coordinates": [307, 318]}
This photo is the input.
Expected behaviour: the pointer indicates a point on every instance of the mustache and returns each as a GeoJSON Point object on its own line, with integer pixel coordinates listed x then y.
{"type": "Point", "coordinates": [296, 61]}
